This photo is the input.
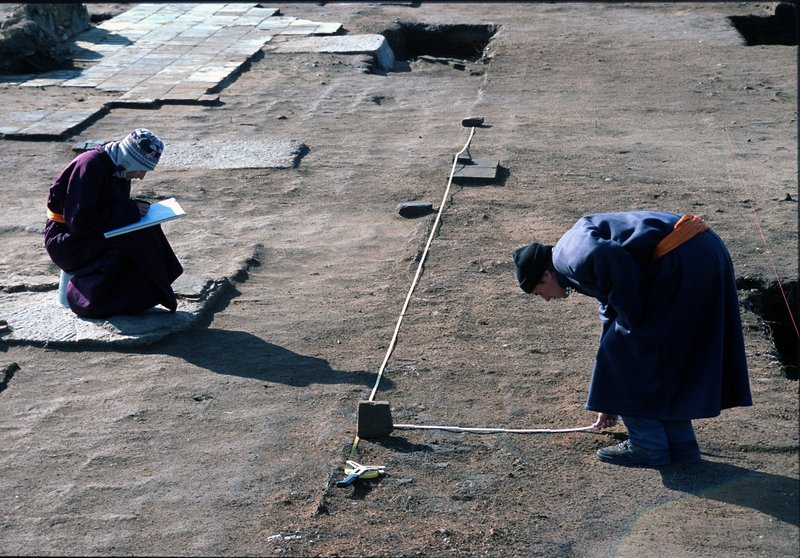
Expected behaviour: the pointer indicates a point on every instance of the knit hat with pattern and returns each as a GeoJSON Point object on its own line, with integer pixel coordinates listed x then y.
{"type": "Point", "coordinates": [140, 151]}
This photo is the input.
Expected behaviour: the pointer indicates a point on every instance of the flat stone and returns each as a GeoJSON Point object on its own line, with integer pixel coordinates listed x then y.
{"type": "Point", "coordinates": [38, 318]}
{"type": "Point", "coordinates": [328, 28]}
{"type": "Point", "coordinates": [415, 208]}
{"type": "Point", "coordinates": [373, 44]}
{"type": "Point", "coordinates": [86, 145]}
{"type": "Point", "coordinates": [57, 122]}
{"type": "Point", "coordinates": [244, 154]}
{"type": "Point", "coordinates": [478, 170]}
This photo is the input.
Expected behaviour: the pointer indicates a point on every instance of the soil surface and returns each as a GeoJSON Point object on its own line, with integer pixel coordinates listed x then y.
{"type": "Point", "coordinates": [229, 439]}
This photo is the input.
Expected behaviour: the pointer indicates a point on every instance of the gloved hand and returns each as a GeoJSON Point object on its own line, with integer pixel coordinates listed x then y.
{"type": "Point", "coordinates": [142, 206]}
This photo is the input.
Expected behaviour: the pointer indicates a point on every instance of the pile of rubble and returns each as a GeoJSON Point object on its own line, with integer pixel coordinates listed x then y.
{"type": "Point", "coordinates": [30, 35]}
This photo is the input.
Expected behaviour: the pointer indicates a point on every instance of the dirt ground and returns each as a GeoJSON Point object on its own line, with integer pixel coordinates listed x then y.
{"type": "Point", "coordinates": [228, 439]}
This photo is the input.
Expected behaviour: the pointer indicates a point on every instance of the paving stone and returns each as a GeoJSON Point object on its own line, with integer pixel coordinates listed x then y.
{"type": "Point", "coordinates": [15, 122]}
{"type": "Point", "coordinates": [301, 27]}
{"type": "Point", "coordinates": [30, 116]}
{"type": "Point", "coordinates": [38, 318]}
{"type": "Point", "coordinates": [273, 27]}
{"type": "Point", "coordinates": [175, 52]}
{"type": "Point", "coordinates": [55, 123]}
{"type": "Point", "coordinates": [42, 83]}
{"type": "Point", "coordinates": [184, 92]}
{"type": "Point", "coordinates": [244, 154]}
{"type": "Point", "coordinates": [85, 82]}
{"type": "Point", "coordinates": [477, 170]}
{"type": "Point", "coordinates": [372, 44]}
{"type": "Point", "coordinates": [148, 92]}
{"type": "Point", "coordinates": [328, 29]}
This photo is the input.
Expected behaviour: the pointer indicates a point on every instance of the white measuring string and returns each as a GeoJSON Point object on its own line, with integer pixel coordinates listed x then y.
{"type": "Point", "coordinates": [494, 430]}
{"type": "Point", "coordinates": [393, 342]}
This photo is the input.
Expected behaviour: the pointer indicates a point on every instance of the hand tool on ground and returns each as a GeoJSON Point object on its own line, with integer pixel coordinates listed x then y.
{"type": "Point", "coordinates": [355, 471]}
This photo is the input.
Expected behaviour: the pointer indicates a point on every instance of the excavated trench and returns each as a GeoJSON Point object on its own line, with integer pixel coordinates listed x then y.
{"type": "Point", "coordinates": [466, 42]}
{"type": "Point", "coordinates": [777, 29]}
{"type": "Point", "coordinates": [773, 304]}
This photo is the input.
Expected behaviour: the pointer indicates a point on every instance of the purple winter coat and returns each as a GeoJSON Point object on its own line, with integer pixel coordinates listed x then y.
{"type": "Point", "coordinates": [125, 274]}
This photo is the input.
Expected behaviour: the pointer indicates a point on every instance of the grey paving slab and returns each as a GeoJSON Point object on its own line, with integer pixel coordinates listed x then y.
{"type": "Point", "coordinates": [38, 318]}
{"type": "Point", "coordinates": [51, 78]}
{"type": "Point", "coordinates": [328, 29]}
{"type": "Point", "coordinates": [373, 44]}
{"type": "Point", "coordinates": [168, 52]}
{"type": "Point", "coordinates": [245, 154]}
{"type": "Point", "coordinates": [147, 92]}
{"type": "Point", "coordinates": [56, 122]}
{"type": "Point", "coordinates": [35, 316]}
{"type": "Point", "coordinates": [477, 169]}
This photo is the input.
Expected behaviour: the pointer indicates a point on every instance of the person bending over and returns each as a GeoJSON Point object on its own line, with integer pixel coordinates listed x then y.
{"type": "Point", "coordinates": [124, 274]}
{"type": "Point", "coordinates": [671, 346]}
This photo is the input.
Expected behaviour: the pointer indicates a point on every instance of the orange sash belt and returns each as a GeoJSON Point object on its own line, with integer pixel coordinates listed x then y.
{"type": "Point", "coordinates": [685, 229]}
{"type": "Point", "coordinates": [53, 216]}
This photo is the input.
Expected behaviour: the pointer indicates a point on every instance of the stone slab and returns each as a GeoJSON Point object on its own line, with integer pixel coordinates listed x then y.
{"type": "Point", "coordinates": [479, 169]}
{"type": "Point", "coordinates": [244, 154]}
{"type": "Point", "coordinates": [413, 209]}
{"type": "Point", "coordinates": [45, 123]}
{"type": "Point", "coordinates": [37, 317]}
{"type": "Point", "coordinates": [155, 53]}
{"type": "Point", "coordinates": [372, 44]}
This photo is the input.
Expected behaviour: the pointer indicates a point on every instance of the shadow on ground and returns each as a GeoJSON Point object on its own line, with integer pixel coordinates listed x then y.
{"type": "Point", "coordinates": [238, 353]}
{"type": "Point", "coordinates": [774, 495]}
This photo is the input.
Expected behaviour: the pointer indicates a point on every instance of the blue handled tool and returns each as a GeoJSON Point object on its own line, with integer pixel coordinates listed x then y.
{"type": "Point", "coordinates": [355, 471]}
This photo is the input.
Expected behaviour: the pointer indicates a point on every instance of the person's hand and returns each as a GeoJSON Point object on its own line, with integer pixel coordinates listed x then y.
{"type": "Point", "coordinates": [142, 206]}
{"type": "Point", "coordinates": [604, 420]}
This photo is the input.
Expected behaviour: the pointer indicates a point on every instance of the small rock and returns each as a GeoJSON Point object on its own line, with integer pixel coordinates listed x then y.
{"type": "Point", "coordinates": [414, 208]}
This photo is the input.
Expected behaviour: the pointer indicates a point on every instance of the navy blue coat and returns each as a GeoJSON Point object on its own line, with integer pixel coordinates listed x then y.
{"type": "Point", "coordinates": [671, 346]}
{"type": "Point", "coordinates": [123, 274]}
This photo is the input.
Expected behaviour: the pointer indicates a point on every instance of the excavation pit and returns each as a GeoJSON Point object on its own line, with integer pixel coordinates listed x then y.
{"type": "Point", "coordinates": [464, 41]}
{"type": "Point", "coordinates": [777, 29]}
{"type": "Point", "coordinates": [768, 302]}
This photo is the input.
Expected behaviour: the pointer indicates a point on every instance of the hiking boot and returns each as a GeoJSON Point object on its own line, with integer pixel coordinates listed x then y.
{"type": "Point", "coordinates": [685, 452]}
{"type": "Point", "coordinates": [628, 455]}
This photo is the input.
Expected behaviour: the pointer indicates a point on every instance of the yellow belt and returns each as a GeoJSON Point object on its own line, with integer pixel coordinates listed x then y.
{"type": "Point", "coordinates": [685, 229]}
{"type": "Point", "coordinates": [53, 216]}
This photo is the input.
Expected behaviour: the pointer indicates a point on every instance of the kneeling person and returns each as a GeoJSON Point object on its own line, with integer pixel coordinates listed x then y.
{"type": "Point", "coordinates": [124, 274]}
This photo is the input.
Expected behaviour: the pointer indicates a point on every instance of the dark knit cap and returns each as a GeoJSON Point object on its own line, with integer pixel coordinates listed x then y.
{"type": "Point", "coordinates": [532, 261]}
